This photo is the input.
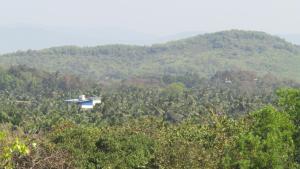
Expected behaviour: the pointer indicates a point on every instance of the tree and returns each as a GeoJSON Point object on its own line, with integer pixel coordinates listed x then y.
{"type": "Point", "coordinates": [10, 148]}
{"type": "Point", "coordinates": [289, 100]}
{"type": "Point", "coordinates": [266, 141]}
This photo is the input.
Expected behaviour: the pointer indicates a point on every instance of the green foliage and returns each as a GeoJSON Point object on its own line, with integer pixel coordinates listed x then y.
{"type": "Point", "coordinates": [92, 148]}
{"type": "Point", "coordinates": [174, 90]}
{"type": "Point", "coordinates": [266, 141]}
{"type": "Point", "coordinates": [191, 145]}
{"type": "Point", "coordinates": [203, 54]}
{"type": "Point", "coordinates": [10, 148]}
{"type": "Point", "coordinates": [79, 141]}
{"type": "Point", "coordinates": [289, 100]}
{"type": "Point", "coordinates": [127, 150]}
{"type": "Point", "coordinates": [180, 122]}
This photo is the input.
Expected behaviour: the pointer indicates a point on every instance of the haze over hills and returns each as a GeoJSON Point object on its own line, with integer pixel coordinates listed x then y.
{"type": "Point", "coordinates": [202, 54]}
{"type": "Point", "coordinates": [15, 38]}
{"type": "Point", "coordinates": [24, 37]}
{"type": "Point", "coordinates": [293, 38]}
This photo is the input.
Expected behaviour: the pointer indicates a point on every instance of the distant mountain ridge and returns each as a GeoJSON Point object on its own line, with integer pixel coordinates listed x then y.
{"type": "Point", "coordinates": [23, 37]}
{"type": "Point", "coordinates": [203, 54]}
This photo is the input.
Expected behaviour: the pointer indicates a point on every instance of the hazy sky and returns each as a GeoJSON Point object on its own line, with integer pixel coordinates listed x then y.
{"type": "Point", "coordinates": [157, 17]}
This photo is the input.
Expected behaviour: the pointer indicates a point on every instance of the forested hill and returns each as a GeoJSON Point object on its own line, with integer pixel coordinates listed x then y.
{"type": "Point", "coordinates": [204, 54]}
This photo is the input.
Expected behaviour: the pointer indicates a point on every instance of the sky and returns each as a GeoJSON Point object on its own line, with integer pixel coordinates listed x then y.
{"type": "Point", "coordinates": [157, 17]}
{"type": "Point", "coordinates": [37, 24]}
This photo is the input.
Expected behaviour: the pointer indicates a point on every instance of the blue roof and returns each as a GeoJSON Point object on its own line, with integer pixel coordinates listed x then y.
{"type": "Point", "coordinates": [87, 103]}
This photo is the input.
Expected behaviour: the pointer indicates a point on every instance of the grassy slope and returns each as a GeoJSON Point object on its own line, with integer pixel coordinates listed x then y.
{"type": "Point", "coordinates": [204, 54]}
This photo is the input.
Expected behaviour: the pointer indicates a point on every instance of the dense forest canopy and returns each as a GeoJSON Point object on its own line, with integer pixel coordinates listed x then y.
{"type": "Point", "coordinates": [225, 100]}
{"type": "Point", "coordinates": [175, 121]}
{"type": "Point", "coordinates": [204, 54]}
